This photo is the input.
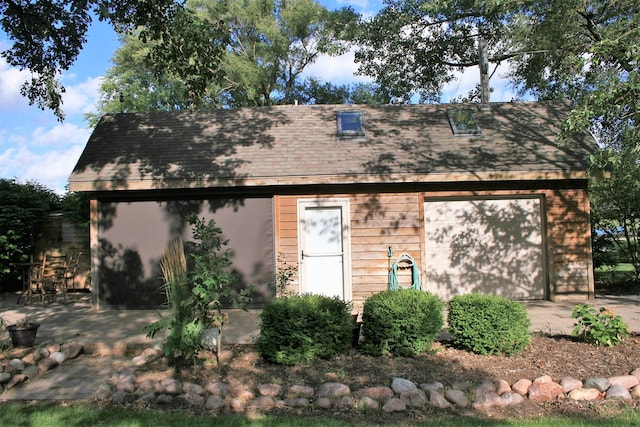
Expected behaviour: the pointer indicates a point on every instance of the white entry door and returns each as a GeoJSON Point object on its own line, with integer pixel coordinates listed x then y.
{"type": "Point", "coordinates": [324, 249]}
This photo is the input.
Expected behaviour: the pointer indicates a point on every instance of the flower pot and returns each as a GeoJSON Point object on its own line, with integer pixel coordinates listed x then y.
{"type": "Point", "coordinates": [23, 335]}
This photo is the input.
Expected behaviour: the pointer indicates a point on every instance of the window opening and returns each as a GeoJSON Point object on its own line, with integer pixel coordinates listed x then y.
{"type": "Point", "coordinates": [463, 122]}
{"type": "Point", "coordinates": [350, 123]}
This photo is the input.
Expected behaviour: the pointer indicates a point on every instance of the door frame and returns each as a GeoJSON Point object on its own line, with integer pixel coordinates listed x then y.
{"type": "Point", "coordinates": [344, 205]}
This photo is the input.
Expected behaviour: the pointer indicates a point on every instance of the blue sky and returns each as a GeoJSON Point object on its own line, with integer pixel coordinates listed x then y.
{"type": "Point", "coordinates": [35, 146]}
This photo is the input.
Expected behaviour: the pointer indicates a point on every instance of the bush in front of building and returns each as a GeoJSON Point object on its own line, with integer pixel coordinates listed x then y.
{"type": "Point", "coordinates": [489, 324]}
{"type": "Point", "coordinates": [297, 329]}
{"type": "Point", "coordinates": [402, 322]}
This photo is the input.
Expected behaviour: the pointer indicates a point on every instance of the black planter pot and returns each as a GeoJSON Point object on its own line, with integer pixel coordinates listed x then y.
{"type": "Point", "coordinates": [23, 335]}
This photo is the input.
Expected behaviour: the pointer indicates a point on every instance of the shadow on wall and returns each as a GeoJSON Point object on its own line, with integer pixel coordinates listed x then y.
{"type": "Point", "coordinates": [138, 232]}
{"type": "Point", "coordinates": [489, 246]}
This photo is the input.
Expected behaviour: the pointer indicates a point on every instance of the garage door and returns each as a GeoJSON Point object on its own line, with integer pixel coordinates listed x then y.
{"type": "Point", "coordinates": [489, 246]}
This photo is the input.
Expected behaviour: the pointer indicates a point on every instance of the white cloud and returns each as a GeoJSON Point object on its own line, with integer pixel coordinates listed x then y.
{"type": "Point", "coordinates": [44, 155]}
{"type": "Point", "coordinates": [60, 135]}
{"type": "Point", "coordinates": [10, 81]}
{"type": "Point", "coordinates": [81, 97]}
{"type": "Point", "coordinates": [337, 70]}
{"type": "Point", "coordinates": [470, 77]}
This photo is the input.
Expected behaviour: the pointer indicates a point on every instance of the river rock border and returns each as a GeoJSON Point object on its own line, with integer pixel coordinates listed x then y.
{"type": "Point", "coordinates": [401, 395]}
{"type": "Point", "coordinates": [42, 359]}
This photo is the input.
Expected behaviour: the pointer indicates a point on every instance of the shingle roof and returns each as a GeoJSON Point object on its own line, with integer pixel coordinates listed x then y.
{"type": "Point", "coordinates": [298, 145]}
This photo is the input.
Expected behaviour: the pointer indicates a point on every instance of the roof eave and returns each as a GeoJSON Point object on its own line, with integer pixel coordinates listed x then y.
{"type": "Point", "coordinates": [281, 181]}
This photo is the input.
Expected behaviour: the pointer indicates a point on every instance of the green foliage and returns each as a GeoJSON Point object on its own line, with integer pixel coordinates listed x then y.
{"type": "Point", "coordinates": [582, 50]}
{"type": "Point", "coordinates": [298, 329]}
{"type": "Point", "coordinates": [263, 48]}
{"type": "Point", "coordinates": [615, 207]}
{"type": "Point", "coordinates": [603, 327]}
{"type": "Point", "coordinates": [284, 277]}
{"type": "Point", "coordinates": [403, 322]}
{"type": "Point", "coordinates": [489, 324]}
{"type": "Point", "coordinates": [23, 207]}
{"type": "Point", "coordinates": [76, 207]}
{"type": "Point", "coordinates": [195, 296]}
{"type": "Point", "coordinates": [211, 277]}
{"type": "Point", "coordinates": [47, 37]}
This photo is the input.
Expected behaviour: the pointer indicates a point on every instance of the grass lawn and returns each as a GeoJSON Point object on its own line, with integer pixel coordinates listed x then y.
{"type": "Point", "coordinates": [40, 414]}
{"type": "Point", "coordinates": [619, 273]}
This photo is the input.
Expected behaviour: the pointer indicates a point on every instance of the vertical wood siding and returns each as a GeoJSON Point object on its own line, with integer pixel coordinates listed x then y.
{"type": "Point", "coordinates": [396, 219]}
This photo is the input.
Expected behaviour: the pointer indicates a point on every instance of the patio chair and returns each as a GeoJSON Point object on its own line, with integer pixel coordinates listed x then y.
{"type": "Point", "coordinates": [35, 282]}
{"type": "Point", "coordinates": [54, 276]}
{"type": "Point", "coordinates": [69, 278]}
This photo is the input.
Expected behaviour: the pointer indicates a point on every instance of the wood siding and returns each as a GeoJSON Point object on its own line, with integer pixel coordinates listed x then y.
{"type": "Point", "coordinates": [383, 220]}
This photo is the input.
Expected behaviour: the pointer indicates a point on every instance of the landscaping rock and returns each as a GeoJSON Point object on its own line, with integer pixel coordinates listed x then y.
{"type": "Point", "coordinates": [149, 385]}
{"type": "Point", "coordinates": [381, 394]}
{"type": "Point", "coordinates": [544, 379]}
{"type": "Point", "coordinates": [521, 386]}
{"type": "Point", "coordinates": [104, 392]}
{"type": "Point", "coordinates": [587, 394]}
{"type": "Point", "coordinates": [31, 371]}
{"type": "Point", "coordinates": [121, 396]}
{"type": "Point", "coordinates": [346, 402]}
{"type": "Point", "coordinates": [58, 356]}
{"type": "Point", "coordinates": [438, 401]}
{"type": "Point", "coordinates": [399, 385]}
{"type": "Point", "coordinates": [599, 383]}
{"type": "Point", "coordinates": [333, 390]}
{"type": "Point", "coordinates": [191, 399]}
{"type": "Point", "coordinates": [242, 393]}
{"type": "Point", "coordinates": [164, 399]}
{"type": "Point", "coordinates": [618, 392]}
{"type": "Point", "coordinates": [72, 350]}
{"type": "Point", "coordinates": [192, 388]}
{"type": "Point", "coordinates": [457, 397]}
{"type": "Point", "coordinates": [218, 389]}
{"type": "Point", "coordinates": [502, 387]}
{"type": "Point", "coordinates": [367, 402]}
{"type": "Point", "coordinates": [303, 402]}
{"type": "Point", "coordinates": [214, 403]}
{"type": "Point", "coordinates": [53, 347]}
{"type": "Point", "coordinates": [569, 384]}
{"type": "Point", "coordinates": [487, 400]}
{"type": "Point", "coordinates": [263, 403]}
{"type": "Point", "coordinates": [394, 405]}
{"type": "Point", "coordinates": [300, 391]}
{"type": "Point", "coordinates": [269, 389]}
{"type": "Point", "coordinates": [321, 402]}
{"type": "Point", "coordinates": [414, 398]}
{"type": "Point", "coordinates": [171, 386]}
{"type": "Point", "coordinates": [126, 384]}
{"type": "Point", "coordinates": [435, 386]}
{"type": "Point", "coordinates": [15, 365]}
{"type": "Point", "coordinates": [544, 391]}
{"type": "Point", "coordinates": [626, 381]}
{"type": "Point", "coordinates": [5, 377]}
{"type": "Point", "coordinates": [510, 399]}
{"type": "Point", "coordinates": [47, 364]}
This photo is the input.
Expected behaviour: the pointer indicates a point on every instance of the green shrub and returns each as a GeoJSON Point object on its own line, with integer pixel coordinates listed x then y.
{"type": "Point", "coordinates": [489, 324]}
{"type": "Point", "coordinates": [297, 329]}
{"type": "Point", "coordinates": [601, 328]}
{"type": "Point", "coordinates": [402, 322]}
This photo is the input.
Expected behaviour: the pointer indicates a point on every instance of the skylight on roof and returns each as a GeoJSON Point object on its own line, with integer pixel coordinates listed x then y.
{"type": "Point", "coordinates": [463, 122]}
{"type": "Point", "coordinates": [350, 123]}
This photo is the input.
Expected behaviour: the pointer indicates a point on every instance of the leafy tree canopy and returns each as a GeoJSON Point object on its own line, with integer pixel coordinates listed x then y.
{"type": "Point", "coordinates": [269, 44]}
{"type": "Point", "coordinates": [47, 36]}
{"type": "Point", "coordinates": [583, 50]}
{"type": "Point", "coordinates": [22, 208]}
